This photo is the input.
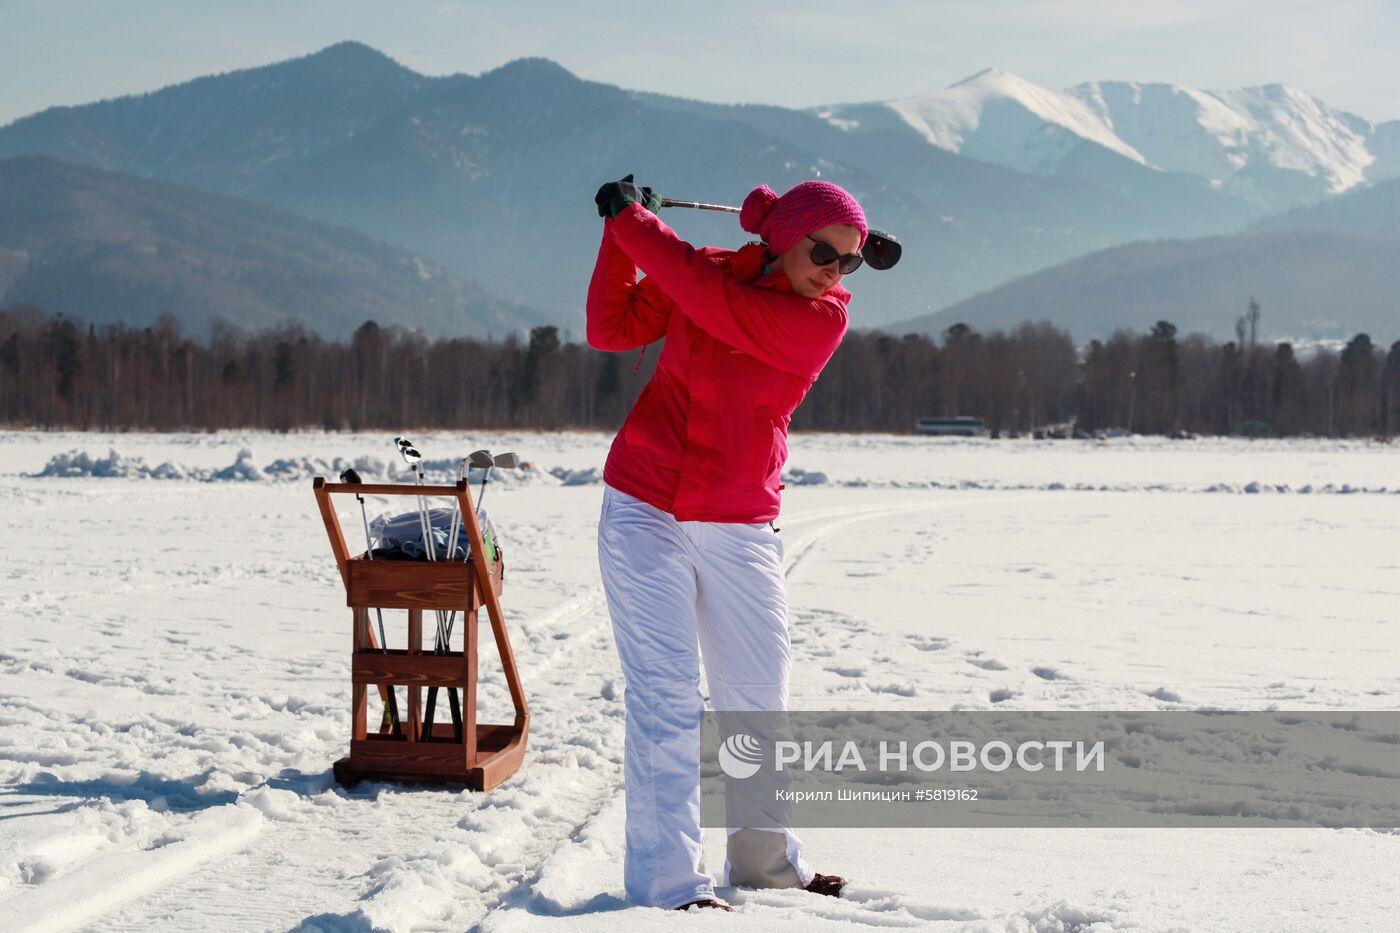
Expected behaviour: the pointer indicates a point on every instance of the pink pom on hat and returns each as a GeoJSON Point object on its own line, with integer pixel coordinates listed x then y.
{"type": "Point", "coordinates": [783, 221]}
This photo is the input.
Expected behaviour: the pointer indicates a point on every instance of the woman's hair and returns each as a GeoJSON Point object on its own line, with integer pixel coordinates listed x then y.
{"type": "Point", "coordinates": [783, 221]}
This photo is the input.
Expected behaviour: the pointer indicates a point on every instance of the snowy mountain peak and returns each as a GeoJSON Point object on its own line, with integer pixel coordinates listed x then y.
{"type": "Point", "coordinates": [992, 75]}
{"type": "Point", "coordinates": [1247, 133]}
{"type": "Point", "coordinates": [1274, 144]}
{"type": "Point", "coordinates": [1000, 117]}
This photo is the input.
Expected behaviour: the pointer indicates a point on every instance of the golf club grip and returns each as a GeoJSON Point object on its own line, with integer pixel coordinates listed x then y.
{"type": "Point", "coordinates": [699, 205]}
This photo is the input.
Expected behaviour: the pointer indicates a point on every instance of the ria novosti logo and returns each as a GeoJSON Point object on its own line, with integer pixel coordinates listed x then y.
{"type": "Point", "coordinates": [740, 756]}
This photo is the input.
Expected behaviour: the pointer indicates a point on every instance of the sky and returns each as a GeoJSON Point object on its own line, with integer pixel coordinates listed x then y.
{"type": "Point", "coordinates": [796, 54]}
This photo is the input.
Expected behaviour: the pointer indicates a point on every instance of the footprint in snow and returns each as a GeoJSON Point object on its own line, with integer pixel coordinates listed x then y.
{"type": "Point", "coordinates": [902, 690]}
{"type": "Point", "coordinates": [847, 671]}
{"type": "Point", "coordinates": [1048, 673]}
{"type": "Point", "coordinates": [987, 664]}
{"type": "Point", "coordinates": [1165, 695]}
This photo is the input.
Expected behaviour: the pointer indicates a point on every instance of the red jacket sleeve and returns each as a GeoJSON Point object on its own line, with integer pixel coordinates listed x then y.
{"type": "Point", "coordinates": [623, 313]}
{"type": "Point", "coordinates": [795, 334]}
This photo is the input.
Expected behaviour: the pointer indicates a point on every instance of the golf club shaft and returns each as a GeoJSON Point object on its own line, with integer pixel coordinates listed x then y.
{"type": "Point", "coordinates": [431, 548]}
{"type": "Point", "coordinates": [452, 533]}
{"type": "Point", "coordinates": [699, 205]}
{"type": "Point", "coordinates": [881, 250]}
{"type": "Point", "coordinates": [369, 553]}
{"type": "Point", "coordinates": [486, 474]}
{"type": "Point", "coordinates": [442, 640]}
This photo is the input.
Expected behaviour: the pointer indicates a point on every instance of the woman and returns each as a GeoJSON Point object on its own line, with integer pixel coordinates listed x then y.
{"type": "Point", "coordinates": [686, 542]}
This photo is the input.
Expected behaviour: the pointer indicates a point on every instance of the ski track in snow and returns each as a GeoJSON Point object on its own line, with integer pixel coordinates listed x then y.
{"type": "Point", "coordinates": [179, 817]}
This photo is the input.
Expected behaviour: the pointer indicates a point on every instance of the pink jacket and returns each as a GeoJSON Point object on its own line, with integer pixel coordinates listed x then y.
{"type": "Point", "coordinates": [707, 437]}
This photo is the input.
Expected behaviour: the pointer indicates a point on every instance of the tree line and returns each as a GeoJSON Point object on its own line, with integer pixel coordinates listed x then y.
{"type": "Point", "coordinates": [58, 373]}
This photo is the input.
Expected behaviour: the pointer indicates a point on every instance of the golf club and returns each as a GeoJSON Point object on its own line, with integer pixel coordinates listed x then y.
{"type": "Point", "coordinates": [475, 458]}
{"type": "Point", "coordinates": [504, 461]}
{"type": "Point", "coordinates": [881, 250]}
{"type": "Point", "coordinates": [482, 460]}
{"type": "Point", "coordinates": [414, 459]}
{"type": "Point", "coordinates": [456, 527]}
{"type": "Point", "coordinates": [390, 697]}
{"type": "Point", "coordinates": [478, 459]}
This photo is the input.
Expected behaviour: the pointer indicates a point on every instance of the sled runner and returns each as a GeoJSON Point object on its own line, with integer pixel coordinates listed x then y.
{"type": "Point", "coordinates": [479, 755]}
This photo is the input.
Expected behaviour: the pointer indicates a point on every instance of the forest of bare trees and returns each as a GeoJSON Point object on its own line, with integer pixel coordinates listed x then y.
{"type": "Point", "coordinates": [58, 373]}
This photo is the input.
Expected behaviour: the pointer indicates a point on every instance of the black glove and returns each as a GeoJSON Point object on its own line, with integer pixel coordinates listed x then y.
{"type": "Point", "coordinates": [614, 197]}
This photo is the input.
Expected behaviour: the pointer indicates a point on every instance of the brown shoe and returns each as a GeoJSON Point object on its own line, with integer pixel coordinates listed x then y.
{"type": "Point", "coordinates": [707, 902]}
{"type": "Point", "coordinates": [829, 885]}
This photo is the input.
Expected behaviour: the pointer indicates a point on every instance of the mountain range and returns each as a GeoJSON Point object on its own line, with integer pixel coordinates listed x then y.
{"type": "Point", "coordinates": [1275, 146]}
{"type": "Point", "coordinates": [110, 248]}
{"type": "Point", "coordinates": [491, 177]}
{"type": "Point", "coordinates": [1328, 271]}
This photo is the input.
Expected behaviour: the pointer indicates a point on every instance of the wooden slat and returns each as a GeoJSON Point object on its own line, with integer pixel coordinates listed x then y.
{"type": "Point", "coordinates": [398, 667]}
{"type": "Point", "coordinates": [409, 584]}
{"type": "Point", "coordinates": [469, 649]}
{"type": "Point", "coordinates": [359, 712]}
{"type": "Point", "coordinates": [502, 751]}
{"type": "Point", "coordinates": [425, 758]}
{"type": "Point", "coordinates": [387, 489]}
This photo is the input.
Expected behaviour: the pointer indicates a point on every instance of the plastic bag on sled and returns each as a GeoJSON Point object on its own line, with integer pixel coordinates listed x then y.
{"type": "Point", "coordinates": [400, 537]}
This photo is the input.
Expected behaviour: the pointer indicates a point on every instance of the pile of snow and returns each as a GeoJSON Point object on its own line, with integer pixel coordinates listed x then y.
{"type": "Point", "coordinates": [797, 477]}
{"type": "Point", "coordinates": [304, 468]}
{"type": "Point", "coordinates": [77, 463]}
{"type": "Point", "coordinates": [590, 476]}
{"type": "Point", "coordinates": [242, 469]}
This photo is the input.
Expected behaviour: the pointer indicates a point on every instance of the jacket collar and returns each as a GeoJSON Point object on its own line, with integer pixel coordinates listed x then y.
{"type": "Point", "coordinates": [749, 265]}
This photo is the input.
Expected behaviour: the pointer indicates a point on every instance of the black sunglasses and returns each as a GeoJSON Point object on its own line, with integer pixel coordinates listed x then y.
{"type": "Point", "coordinates": [824, 254]}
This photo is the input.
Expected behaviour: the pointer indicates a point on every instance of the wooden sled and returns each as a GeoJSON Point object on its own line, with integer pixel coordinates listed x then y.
{"type": "Point", "coordinates": [487, 753]}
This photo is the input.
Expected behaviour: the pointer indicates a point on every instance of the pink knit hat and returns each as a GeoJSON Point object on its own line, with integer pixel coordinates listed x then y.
{"type": "Point", "coordinates": [782, 222]}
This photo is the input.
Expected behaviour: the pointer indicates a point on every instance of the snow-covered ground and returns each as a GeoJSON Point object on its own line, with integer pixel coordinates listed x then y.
{"type": "Point", "coordinates": [174, 681]}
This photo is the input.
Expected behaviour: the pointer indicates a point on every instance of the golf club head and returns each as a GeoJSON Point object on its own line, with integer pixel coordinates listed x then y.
{"type": "Point", "coordinates": [507, 461]}
{"type": "Point", "coordinates": [480, 459]}
{"type": "Point", "coordinates": [881, 250]}
{"type": "Point", "coordinates": [350, 476]}
{"type": "Point", "coordinates": [410, 454]}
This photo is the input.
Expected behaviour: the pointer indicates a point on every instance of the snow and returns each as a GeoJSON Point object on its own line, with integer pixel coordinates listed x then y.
{"type": "Point", "coordinates": [999, 117]}
{"type": "Point", "coordinates": [1215, 133]}
{"type": "Point", "coordinates": [175, 686]}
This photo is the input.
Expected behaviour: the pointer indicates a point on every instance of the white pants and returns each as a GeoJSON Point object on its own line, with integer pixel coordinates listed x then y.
{"type": "Point", "coordinates": [675, 587]}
